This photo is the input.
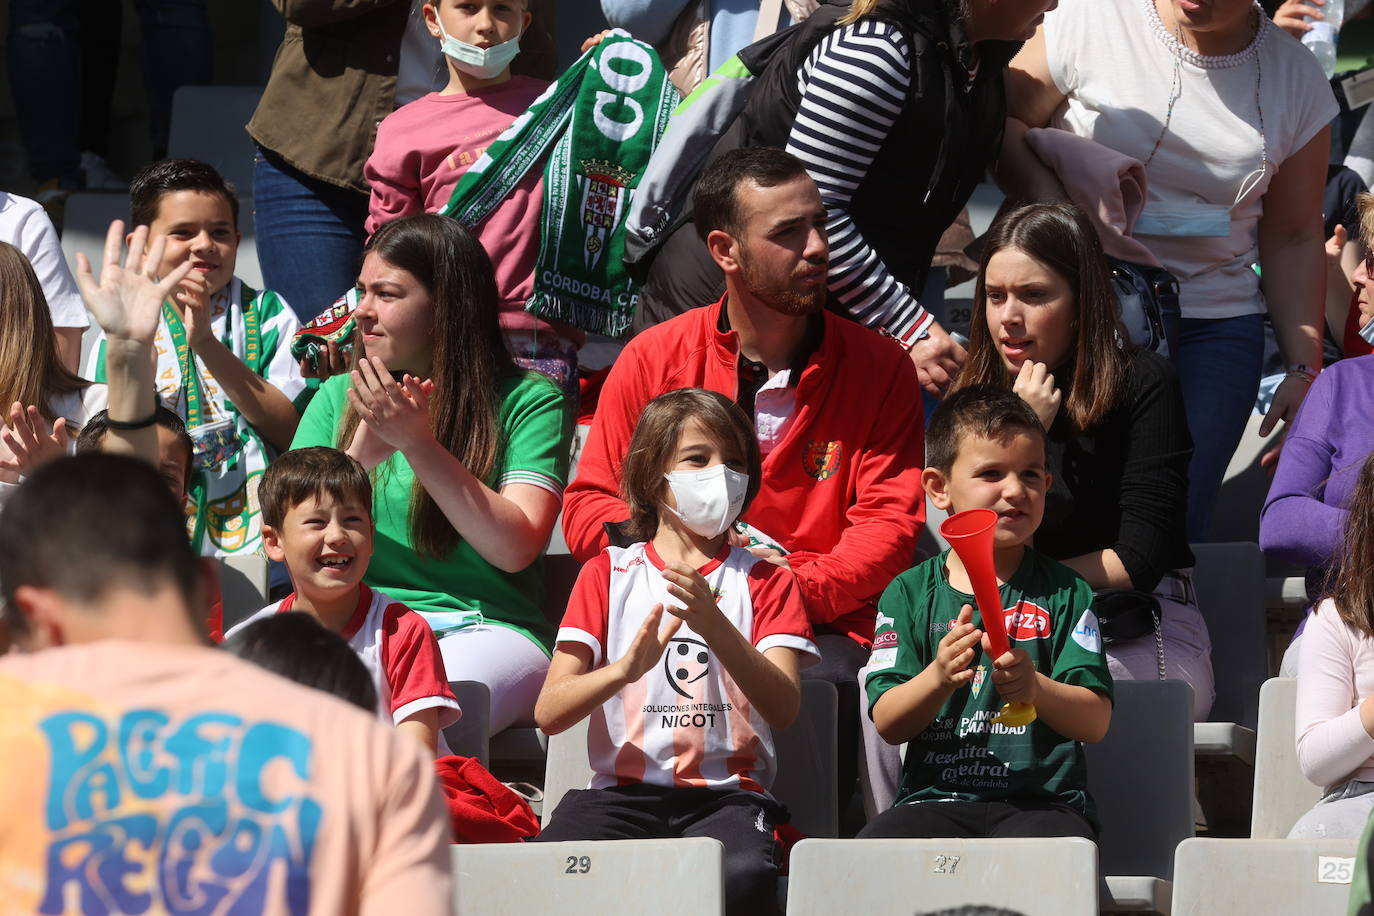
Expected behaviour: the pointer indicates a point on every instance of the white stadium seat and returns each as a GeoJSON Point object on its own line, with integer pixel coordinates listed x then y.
{"type": "Point", "coordinates": [658, 877]}
{"type": "Point", "coordinates": [1282, 793]}
{"type": "Point", "coordinates": [1249, 877]}
{"type": "Point", "coordinates": [1037, 877]}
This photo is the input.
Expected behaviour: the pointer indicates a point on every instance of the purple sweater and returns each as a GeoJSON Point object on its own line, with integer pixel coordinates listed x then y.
{"type": "Point", "coordinates": [1304, 517]}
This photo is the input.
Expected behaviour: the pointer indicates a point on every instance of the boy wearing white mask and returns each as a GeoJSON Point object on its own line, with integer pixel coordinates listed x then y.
{"type": "Point", "coordinates": [425, 147]}
{"type": "Point", "coordinates": [680, 741]}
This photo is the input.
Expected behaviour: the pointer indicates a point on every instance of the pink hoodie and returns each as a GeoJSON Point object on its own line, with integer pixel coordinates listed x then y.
{"type": "Point", "coordinates": [424, 148]}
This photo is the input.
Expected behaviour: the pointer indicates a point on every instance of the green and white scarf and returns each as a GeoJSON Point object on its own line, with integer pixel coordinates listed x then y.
{"type": "Point", "coordinates": [597, 126]}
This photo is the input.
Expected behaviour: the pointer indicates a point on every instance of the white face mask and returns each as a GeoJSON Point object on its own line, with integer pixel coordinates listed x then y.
{"type": "Point", "coordinates": [709, 500]}
{"type": "Point", "coordinates": [483, 63]}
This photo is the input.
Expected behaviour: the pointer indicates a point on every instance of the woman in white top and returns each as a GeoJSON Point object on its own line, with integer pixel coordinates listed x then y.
{"type": "Point", "coordinates": [1335, 720]}
{"type": "Point", "coordinates": [42, 404]}
{"type": "Point", "coordinates": [1229, 115]}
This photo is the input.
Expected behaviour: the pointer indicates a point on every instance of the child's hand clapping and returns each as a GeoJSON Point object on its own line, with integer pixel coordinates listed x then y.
{"type": "Point", "coordinates": [192, 301]}
{"type": "Point", "coordinates": [1014, 675]}
{"type": "Point", "coordinates": [956, 650]}
{"type": "Point", "coordinates": [688, 586]}
{"type": "Point", "coordinates": [648, 646]}
{"type": "Point", "coordinates": [28, 443]}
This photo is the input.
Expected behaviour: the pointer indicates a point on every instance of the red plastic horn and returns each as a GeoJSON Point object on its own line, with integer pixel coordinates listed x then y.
{"type": "Point", "coordinates": [970, 534]}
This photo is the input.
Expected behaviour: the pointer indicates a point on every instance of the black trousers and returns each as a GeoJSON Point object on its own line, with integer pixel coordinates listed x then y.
{"type": "Point", "coordinates": [841, 659]}
{"type": "Point", "coordinates": [742, 821]}
{"type": "Point", "coordinates": [928, 819]}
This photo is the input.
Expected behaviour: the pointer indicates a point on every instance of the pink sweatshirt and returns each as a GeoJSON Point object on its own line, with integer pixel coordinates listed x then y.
{"type": "Point", "coordinates": [423, 149]}
{"type": "Point", "coordinates": [1335, 672]}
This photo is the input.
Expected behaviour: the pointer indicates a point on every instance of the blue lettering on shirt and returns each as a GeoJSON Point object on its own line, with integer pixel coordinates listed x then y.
{"type": "Point", "coordinates": [151, 814]}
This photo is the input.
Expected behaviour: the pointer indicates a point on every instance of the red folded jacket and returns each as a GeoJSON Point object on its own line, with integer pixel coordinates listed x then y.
{"type": "Point", "coordinates": [482, 808]}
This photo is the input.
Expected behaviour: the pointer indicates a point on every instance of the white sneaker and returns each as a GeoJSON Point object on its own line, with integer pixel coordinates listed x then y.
{"type": "Point", "coordinates": [99, 175]}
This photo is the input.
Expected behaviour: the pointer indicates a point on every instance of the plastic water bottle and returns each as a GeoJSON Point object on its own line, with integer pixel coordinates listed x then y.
{"type": "Point", "coordinates": [1322, 37]}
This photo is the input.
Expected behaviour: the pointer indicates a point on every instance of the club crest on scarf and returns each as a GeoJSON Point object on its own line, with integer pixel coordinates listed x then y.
{"type": "Point", "coordinates": [591, 133]}
{"type": "Point", "coordinates": [605, 187]}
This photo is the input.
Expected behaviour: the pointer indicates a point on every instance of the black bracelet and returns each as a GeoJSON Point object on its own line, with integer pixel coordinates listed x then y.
{"type": "Point", "coordinates": [146, 422]}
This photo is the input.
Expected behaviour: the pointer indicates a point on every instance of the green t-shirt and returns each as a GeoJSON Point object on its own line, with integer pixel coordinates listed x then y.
{"type": "Point", "coordinates": [961, 754]}
{"type": "Point", "coordinates": [461, 589]}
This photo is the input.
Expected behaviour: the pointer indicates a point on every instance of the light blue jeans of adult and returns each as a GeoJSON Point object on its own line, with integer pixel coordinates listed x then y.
{"type": "Point", "coordinates": [309, 234]}
{"type": "Point", "coordinates": [1219, 363]}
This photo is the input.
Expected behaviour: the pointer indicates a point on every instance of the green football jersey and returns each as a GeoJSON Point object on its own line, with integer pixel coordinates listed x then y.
{"type": "Point", "coordinates": [962, 754]}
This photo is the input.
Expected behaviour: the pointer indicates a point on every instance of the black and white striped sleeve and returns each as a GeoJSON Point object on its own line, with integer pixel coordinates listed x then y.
{"type": "Point", "coordinates": [853, 88]}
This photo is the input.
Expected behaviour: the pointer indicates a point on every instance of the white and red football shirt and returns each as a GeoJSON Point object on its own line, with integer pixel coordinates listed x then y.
{"type": "Point", "coordinates": [686, 722]}
{"type": "Point", "coordinates": [400, 650]}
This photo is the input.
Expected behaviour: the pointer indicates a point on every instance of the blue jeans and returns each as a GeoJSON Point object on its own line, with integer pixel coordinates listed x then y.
{"type": "Point", "coordinates": [1218, 363]}
{"type": "Point", "coordinates": [51, 45]}
{"type": "Point", "coordinates": [309, 234]}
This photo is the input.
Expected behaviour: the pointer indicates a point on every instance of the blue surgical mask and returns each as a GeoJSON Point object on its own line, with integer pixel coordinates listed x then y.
{"type": "Point", "coordinates": [483, 63]}
{"type": "Point", "coordinates": [1192, 219]}
{"type": "Point", "coordinates": [1188, 219]}
{"type": "Point", "coordinates": [1367, 332]}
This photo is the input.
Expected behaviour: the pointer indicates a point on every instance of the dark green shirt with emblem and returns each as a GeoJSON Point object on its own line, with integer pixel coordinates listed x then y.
{"type": "Point", "coordinates": [962, 754]}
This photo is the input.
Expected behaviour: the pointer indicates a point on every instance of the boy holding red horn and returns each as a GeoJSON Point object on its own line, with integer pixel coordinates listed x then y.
{"type": "Point", "coordinates": [932, 680]}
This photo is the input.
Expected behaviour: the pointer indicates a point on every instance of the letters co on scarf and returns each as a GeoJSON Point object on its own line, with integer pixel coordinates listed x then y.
{"type": "Point", "coordinates": [597, 126]}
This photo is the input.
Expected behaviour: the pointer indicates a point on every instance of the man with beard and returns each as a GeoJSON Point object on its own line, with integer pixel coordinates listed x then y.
{"type": "Point", "coordinates": [836, 407]}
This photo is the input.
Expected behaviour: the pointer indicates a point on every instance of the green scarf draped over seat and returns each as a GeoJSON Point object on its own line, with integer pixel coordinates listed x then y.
{"type": "Point", "coordinates": [594, 129]}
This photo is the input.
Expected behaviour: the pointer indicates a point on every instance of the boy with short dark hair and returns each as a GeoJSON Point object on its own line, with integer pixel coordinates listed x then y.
{"type": "Point", "coordinates": [930, 681]}
{"type": "Point", "coordinates": [173, 463]}
{"type": "Point", "coordinates": [222, 351]}
{"type": "Point", "coordinates": [317, 519]}
{"type": "Point", "coordinates": [174, 446]}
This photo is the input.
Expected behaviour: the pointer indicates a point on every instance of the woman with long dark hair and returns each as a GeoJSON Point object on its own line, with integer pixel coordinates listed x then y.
{"type": "Point", "coordinates": [468, 453]}
{"type": "Point", "coordinates": [1045, 325]}
{"type": "Point", "coordinates": [1229, 118]}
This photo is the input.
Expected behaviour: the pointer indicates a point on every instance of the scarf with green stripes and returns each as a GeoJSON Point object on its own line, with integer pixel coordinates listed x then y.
{"type": "Point", "coordinates": [596, 127]}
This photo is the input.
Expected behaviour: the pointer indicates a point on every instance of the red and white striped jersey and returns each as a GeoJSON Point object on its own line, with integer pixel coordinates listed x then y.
{"type": "Point", "coordinates": [400, 650]}
{"type": "Point", "coordinates": [686, 722]}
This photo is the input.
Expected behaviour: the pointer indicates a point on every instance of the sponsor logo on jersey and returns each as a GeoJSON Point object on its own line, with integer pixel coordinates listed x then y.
{"type": "Point", "coordinates": [821, 460]}
{"type": "Point", "coordinates": [882, 658]}
{"type": "Point", "coordinates": [686, 662]}
{"type": "Point", "coordinates": [1087, 633]}
{"type": "Point", "coordinates": [885, 640]}
{"type": "Point", "coordinates": [637, 561]}
{"type": "Point", "coordinates": [1027, 620]}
